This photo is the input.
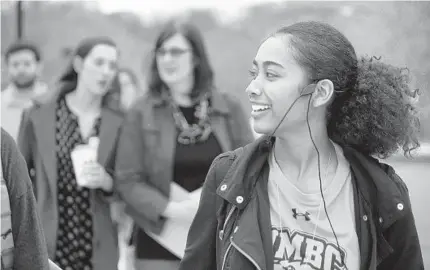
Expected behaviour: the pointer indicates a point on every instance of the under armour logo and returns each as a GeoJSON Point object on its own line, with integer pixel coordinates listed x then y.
{"type": "Point", "coordinates": [305, 214]}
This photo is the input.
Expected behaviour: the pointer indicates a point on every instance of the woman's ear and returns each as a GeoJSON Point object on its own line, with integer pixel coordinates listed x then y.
{"type": "Point", "coordinates": [77, 64]}
{"type": "Point", "coordinates": [323, 93]}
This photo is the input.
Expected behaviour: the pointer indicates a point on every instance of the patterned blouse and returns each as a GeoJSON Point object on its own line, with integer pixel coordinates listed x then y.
{"type": "Point", "coordinates": [75, 229]}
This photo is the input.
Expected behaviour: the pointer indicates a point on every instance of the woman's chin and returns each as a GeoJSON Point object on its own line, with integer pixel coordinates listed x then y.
{"type": "Point", "coordinates": [261, 129]}
{"type": "Point", "coordinates": [99, 91]}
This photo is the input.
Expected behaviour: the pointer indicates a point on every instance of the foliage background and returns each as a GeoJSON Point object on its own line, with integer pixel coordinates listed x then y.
{"type": "Point", "coordinates": [397, 31]}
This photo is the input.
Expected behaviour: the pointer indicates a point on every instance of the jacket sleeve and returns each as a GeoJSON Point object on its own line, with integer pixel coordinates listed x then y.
{"type": "Point", "coordinates": [26, 142]}
{"type": "Point", "coordinates": [110, 196]}
{"type": "Point", "coordinates": [239, 126]}
{"type": "Point", "coordinates": [200, 252]}
{"type": "Point", "coordinates": [131, 176]}
{"type": "Point", "coordinates": [403, 236]}
{"type": "Point", "coordinates": [30, 251]}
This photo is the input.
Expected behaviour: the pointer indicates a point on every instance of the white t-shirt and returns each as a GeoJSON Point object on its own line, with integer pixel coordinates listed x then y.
{"type": "Point", "coordinates": [307, 241]}
{"type": "Point", "coordinates": [13, 104]}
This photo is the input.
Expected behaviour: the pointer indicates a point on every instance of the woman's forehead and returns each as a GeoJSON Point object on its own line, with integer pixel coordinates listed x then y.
{"type": "Point", "coordinates": [176, 40]}
{"type": "Point", "coordinates": [275, 50]}
{"type": "Point", "coordinates": [104, 50]}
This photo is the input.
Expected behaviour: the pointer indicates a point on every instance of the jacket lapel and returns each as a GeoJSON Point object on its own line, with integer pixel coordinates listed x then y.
{"type": "Point", "coordinates": [253, 234]}
{"type": "Point", "coordinates": [376, 186]}
{"type": "Point", "coordinates": [379, 191]}
{"type": "Point", "coordinates": [264, 218]}
{"type": "Point", "coordinates": [44, 128]}
{"type": "Point", "coordinates": [240, 179]}
{"type": "Point", "coordinates": [162, 140]}
{"type": "Point", "coordinates": [219, 128]}
{"type": "Point", "coordinates": [110, 124]}
{"type": "Point", "coordinates": [218, 120]}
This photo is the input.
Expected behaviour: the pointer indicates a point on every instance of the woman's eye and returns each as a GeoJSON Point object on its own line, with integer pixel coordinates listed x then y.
{"type": "Point", "coordinates": [271, 75]}
{"type": "Point", "coordinates": [99, 62]}
{"type": "Point", "coordinates": [252, 73]}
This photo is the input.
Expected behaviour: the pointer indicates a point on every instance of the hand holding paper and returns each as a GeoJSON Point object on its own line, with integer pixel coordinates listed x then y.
{"type": "Point", "coordinates": [180, 212]}
{"type": "Point", "coordinates": [195, 195]}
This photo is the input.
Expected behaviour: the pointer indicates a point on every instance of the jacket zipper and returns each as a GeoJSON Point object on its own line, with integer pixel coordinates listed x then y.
{"type": "Point", "coordinates": [225, 256]}
{"type": "Point", "coordinates": [244, 254]}
{"type": "Point", "coordinates": [221, 233]}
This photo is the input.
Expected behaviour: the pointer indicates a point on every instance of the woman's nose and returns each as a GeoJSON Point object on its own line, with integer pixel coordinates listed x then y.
{"type": "Point", "coordinates": [254, 89]}
{"type": "Point", "coordinates": [107, 70]}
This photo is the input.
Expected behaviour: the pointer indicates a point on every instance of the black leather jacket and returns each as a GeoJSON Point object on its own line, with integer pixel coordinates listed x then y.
{"type": "Point", "coordinates": [232, 227]}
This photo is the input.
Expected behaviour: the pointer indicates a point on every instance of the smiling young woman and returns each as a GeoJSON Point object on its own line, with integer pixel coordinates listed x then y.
{"type": "Point", "coordinates": [310, 194]}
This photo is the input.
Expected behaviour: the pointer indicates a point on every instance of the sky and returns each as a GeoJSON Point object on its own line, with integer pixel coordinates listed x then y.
{"type": "Point", "coordinates": [147, 9]}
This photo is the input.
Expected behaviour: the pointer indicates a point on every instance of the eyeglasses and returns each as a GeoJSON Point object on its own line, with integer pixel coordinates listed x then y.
{"type": "Point", "coordinates": [174, 52]}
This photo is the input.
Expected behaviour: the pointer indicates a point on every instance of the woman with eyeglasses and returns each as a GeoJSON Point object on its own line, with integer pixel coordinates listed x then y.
{"type": "Point", "coordinates": [172, 136]}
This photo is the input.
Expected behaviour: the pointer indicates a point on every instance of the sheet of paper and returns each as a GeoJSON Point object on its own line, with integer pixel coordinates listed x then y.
{"type": "Point", "coordinates": [175, 233]}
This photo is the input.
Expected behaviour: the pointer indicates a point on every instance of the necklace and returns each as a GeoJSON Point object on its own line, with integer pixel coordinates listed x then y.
{"type": "Point", "coordinates": [194, 133]}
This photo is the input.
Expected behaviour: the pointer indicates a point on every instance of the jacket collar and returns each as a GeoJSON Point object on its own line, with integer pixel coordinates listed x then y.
{"type": "Point", "coordinates": [242, 176]}
{"type": "Point", "coordinates": [240, 179]}
{"type": "Point", "coordinates": [377, 182]}
{"type": "Point", "coordinates": [218, 102]}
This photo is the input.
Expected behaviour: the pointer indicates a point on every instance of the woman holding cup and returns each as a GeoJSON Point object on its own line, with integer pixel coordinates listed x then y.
{"type": "Point", "coordinates": [69, 146]}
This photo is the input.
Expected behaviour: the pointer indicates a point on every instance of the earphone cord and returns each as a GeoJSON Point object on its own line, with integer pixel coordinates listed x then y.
{"type": "Point", "coordinates": [285, 115]}
{"type": "Point", "coordinates": [321, 189]}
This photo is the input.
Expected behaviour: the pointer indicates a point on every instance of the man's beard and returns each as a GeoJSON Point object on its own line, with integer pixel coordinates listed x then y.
{"type": "Point", "coordinates": [28, 84]}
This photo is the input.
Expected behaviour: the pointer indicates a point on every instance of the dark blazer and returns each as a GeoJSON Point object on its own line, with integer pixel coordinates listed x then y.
{"type": "Point", "coordinates": [146, 148]}
{"type": "Point", "coordinates": [228, 233]}
{"type": "Point", "coordinates": [37, 143]}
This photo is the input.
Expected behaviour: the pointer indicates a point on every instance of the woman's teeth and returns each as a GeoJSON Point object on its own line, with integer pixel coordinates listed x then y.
{"type": "Point", "coordinates": [260, 108]}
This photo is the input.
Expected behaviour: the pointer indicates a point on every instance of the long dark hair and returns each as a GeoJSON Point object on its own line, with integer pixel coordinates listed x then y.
{"type": "Point", "coordinates": [203, 73]}
{"type": "Point", "coordinates": [116, 85]}
{"type": "Point", "coordinates": [373, 109]}
{"type": "Point", "coordinates": [116, 90]}
{"type": "Point", "coordinates": [69, 80]}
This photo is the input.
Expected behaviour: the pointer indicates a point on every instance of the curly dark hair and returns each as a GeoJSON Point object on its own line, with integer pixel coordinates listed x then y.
{"type": "Point", "coordinates": [373, 110]}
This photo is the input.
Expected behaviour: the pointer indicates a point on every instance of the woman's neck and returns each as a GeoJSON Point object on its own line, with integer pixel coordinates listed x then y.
{"type": "Point", "coordinates": [84, 102]}
{"type": "Point", "coordinates": [181, 92]}
{"type": "Point", "coordinates": [296, 155]}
